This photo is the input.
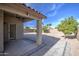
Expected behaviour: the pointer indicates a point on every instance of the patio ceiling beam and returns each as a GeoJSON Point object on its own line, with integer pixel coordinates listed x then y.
{"type": "Point", "coordinates": [23, 19]}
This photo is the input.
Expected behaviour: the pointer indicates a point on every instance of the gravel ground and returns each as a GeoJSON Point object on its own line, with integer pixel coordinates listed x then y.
{"type": "Point", "coordinates": [74, 45]}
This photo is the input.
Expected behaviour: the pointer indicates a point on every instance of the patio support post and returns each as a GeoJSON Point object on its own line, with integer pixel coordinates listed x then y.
{"type": "Point", "coordinates": [39, 32]}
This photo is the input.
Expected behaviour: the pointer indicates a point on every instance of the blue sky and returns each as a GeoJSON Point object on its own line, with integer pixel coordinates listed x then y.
{"type": "Point", "coordinates": [55, 12]}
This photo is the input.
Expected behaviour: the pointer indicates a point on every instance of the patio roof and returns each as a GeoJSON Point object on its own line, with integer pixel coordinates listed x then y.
{"type": "Point", "coordinates": [20, 10]}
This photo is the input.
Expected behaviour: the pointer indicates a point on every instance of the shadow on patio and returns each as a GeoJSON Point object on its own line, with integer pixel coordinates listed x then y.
{"type": "Point", "coordinates": [27, 46]}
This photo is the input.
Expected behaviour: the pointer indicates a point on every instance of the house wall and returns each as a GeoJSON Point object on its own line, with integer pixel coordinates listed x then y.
{"type": "Point", "coordinates": [19, 26]}
{"type": "Point", "coordinates": [1, 31]}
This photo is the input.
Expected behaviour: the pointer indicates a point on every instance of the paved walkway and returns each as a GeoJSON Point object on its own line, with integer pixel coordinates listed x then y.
{"type": "Point", "coordinates": [62, 48]}
{"type": "Point", "coordinates": [67, 48]}
{"type": "Point", "coordinates": [57, 49]}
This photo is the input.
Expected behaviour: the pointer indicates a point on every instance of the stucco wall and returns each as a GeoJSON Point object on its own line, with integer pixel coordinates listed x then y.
{"type": "Point", "coordinates": [19, 30]}
{"type": "Point", "coordinates": [1, 31]}
{"type": "Point", "coordinates": [19, 25]}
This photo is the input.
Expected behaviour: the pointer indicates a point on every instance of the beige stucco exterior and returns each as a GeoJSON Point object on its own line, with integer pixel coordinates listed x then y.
{"type": "Point", "coordinates": [4, 18]}
{"type": "Point", "coordinates": [19, 25]}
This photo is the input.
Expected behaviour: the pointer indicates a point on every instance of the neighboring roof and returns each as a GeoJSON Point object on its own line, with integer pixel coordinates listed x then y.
{"type": "Point", "coordinates": [22, 10]}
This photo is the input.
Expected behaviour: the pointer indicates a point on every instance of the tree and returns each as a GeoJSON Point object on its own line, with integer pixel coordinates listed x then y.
{"type": "Point", "coordinates": [49, 25]}
{"type": "Point", "coordinates": [27, 27]}
{"type": "Point", "coordinates": [46, 27]}
{"type": "Point", "coordinates": [68, 26]}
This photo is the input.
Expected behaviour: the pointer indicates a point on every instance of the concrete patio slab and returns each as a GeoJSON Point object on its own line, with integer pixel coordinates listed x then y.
{"type": "Point", "coordinates": [19, 47]}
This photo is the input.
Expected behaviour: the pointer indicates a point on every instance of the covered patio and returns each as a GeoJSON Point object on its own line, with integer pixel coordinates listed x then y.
{"type": "Point", "coordinates": [15, 15]}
